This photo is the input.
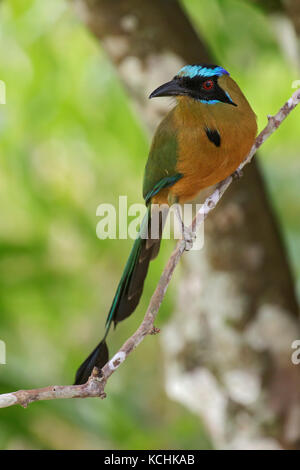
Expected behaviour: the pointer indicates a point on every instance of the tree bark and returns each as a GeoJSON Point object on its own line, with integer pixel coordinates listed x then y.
{"type": "Point", "coordinates": [284, 16]}
{"type": "Point", "coordinates": [228, 344]}
{"type": "Point", "coordinates": [293, 10]}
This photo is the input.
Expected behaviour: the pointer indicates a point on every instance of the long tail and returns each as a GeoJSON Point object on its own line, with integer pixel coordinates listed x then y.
{"type": "Point", "coordinates": [129, 290]}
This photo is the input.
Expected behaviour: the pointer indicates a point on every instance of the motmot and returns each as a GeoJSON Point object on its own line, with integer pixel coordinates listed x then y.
{"type": "Point", "coordinates": [199, 143]}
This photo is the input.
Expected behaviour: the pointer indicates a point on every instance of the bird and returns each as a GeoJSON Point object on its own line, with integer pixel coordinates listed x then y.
{"type": "Point", "coordinates": [200, 142]}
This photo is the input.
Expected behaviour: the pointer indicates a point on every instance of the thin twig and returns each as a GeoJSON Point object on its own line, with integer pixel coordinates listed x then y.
{"type": "Point", "coordinates": [97, 381]}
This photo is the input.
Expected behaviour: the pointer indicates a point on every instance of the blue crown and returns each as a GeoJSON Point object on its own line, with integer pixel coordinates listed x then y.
{"type": "Point", "coordinates": [192, 71]}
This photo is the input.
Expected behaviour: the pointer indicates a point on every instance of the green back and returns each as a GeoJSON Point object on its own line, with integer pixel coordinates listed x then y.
{"type": "Point", "coordinates": [160, 168]}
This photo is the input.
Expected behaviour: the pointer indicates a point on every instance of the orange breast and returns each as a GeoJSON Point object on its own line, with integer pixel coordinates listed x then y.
{"type": "Point", "coordinates": [202, 162]}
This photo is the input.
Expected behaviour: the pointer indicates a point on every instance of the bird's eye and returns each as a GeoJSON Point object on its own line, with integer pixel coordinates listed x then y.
{"type": "Point", "coordinates": [208, 85]}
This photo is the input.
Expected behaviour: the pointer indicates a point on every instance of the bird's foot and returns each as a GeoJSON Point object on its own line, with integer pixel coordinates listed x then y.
{"type": "Point", "coordinates": [189, 238]}
{"type": "Point", "coordinates": [187, 234]}
{"type": "Point", "coordinates": [237, 174]}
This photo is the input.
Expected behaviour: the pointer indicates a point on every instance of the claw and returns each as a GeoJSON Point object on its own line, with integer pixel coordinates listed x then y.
{"type": "Point", "coordinates": [189, 237]}
{"type": "Point", "coordinates": [237, 174]}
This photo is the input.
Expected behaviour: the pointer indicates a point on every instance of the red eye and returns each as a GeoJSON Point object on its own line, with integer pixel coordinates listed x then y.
{"type": "Point", "coordinates": [208, 85]}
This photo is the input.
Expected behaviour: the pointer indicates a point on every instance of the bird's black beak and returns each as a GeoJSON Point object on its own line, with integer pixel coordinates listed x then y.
{"type": "Point", "coordinates": [172, 88]}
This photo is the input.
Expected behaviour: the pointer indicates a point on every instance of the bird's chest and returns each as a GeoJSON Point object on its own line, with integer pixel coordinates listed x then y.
{"type": "Point", "coordinates": [208, 153]}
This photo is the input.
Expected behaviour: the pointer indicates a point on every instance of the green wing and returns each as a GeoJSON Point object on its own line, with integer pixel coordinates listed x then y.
{"type": "Point", "coordinates": [163, 183]}
{"type": "Point", "coordinates": [160, 171]}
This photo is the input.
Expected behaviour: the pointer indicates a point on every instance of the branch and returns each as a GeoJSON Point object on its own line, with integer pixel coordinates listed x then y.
{"type": "Point", "coordinates": [96, 384]}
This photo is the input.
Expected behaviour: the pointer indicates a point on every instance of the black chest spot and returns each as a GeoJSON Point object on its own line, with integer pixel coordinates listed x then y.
{"type": "Point", "coordinates": [213, 136]}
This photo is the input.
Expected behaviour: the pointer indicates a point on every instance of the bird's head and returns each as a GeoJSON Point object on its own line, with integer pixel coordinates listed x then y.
{"type": "Point", "coordinates": [208, 84]}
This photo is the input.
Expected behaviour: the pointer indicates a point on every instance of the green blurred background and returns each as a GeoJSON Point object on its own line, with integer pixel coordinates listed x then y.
{"type": "Point", "coordinates": [70, 141]}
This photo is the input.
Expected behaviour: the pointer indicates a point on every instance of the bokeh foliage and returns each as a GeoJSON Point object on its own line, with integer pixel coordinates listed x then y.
{"type": "Point", "coordinates": [70, 141]}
